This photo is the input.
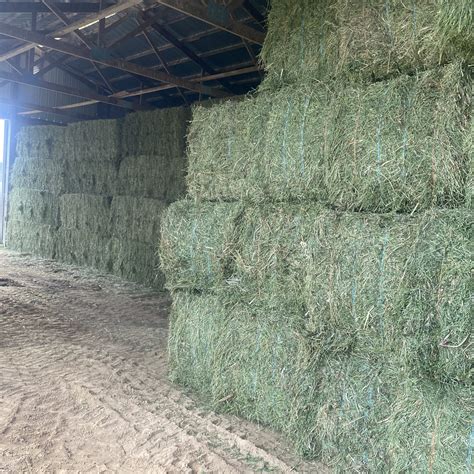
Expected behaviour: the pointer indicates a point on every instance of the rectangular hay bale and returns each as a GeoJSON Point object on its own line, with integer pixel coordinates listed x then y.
{"type": "Point", "coordinates": [34, 207]}
{"type": "Point", "coordinates": [391, 146]}
{"type": "Point", "coordinates": [196, 244]}
{"type": "Point", "coordinates": [136, 219]}
{"type": "Point", "coordinates": [136, 261]}
{"type": "Point", "coordinates": [352, 412]}
{"type": "Point", "coordinates": [86, 213]}
{"type": "Point", "coordinates": [37, 239]}
{"type": "Point", "coordinates": [367, 40]}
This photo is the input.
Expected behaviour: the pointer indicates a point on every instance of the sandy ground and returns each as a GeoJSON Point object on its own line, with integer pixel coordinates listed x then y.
{"type": "Point", "coordinates": [84, 388]}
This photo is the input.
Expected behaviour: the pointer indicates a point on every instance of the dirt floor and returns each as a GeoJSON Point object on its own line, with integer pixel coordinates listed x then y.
{"type": "Point", "coordinates": [84, 388]}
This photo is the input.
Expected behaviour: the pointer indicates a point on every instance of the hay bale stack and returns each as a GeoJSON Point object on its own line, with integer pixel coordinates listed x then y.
{"type": "Point", "coordinates": [321, 270]}
{"type": "Point", "coordinates": [111, 179]}
{"type": "Point", "coordinates": [354, 412]}
{"type": "Point", "coordinates": [394, 145]}
{"type": "Point", "coordinates": [365, 40]}
{"type": "Point", "coordinates": [369, 281]}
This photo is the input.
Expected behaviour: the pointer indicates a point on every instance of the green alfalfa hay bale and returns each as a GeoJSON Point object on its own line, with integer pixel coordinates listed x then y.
{"type": "Point", "coordinates": [373, 416]}
{"type": "Point", "coordinates": [35, 207]}
{"type": "Point", "coordinates": [429, 428]}
{"type": "Point", "coordinates": [38, 174]}
{"type": "Point", "coordinates": [362, 40]}
{"type": "Point", "coordinates": [41, 143]}
{"type": "Point", "coordinates": [197, 243]}
{"type": "Point", "coordinates": [136, 261]}
{"type": "Point", "coordinates": [159, 132]}
{"type": "Point", "coordinates": [84, 248]}
{"type": "Point", "coordinates": [394, 145]}
{"type": "Point", "coordinates": [96, 141]}
{"type": "Point", "coordinates": [86, 213]}
{"type": "Point", "coordinates": [225, 143]}
{"type": "Point", "coordinates": [243, 361]}
{"type": "Point", "coordinates": [37, 239]}
{"type": "Point", "coordinates": [82, 177]}
{"type": "Point", "coordinates": [151, 176]}
{"type": "Point", "coordinates": [469, 150]}
{"type": "Point", "coordinates": [455, 25]}
{"type": "Point", "coordinates": [355, 412]}
{"type": "Point", "coordinates": [136, 219]}
{"type": "Point", "coordinates": [387, 283]}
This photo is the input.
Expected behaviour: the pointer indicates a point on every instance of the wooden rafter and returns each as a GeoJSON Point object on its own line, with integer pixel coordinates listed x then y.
{"type": "Point", "coordinates": [35, 7]}
{"type": "Point", "coordinates": [151, 90]}
{"type": "Point", "coordinates": [83, 53]}
{"type": "Point", "coordinates": [50, 86]}
{"type": "Point", "coordinates": [197, 10]}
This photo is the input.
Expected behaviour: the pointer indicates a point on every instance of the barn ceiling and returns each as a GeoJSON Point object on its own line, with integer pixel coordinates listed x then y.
{"type": "Point", "coordinates": [129, 54]}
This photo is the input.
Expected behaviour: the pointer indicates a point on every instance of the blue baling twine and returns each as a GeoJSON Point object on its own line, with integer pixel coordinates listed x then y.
{"type": "Point", "coordinates": [193, 242]}
{"type": "Point", "coordinates": [285, 136]}
{"type": "Point", "coordinates": [302, 36]}
{"type": "Point", "coordinates": [381, 297]}
{"type": "Point", "coordinates": [470, 450]}
{"type": "Point", "coordinates": [303, 125]}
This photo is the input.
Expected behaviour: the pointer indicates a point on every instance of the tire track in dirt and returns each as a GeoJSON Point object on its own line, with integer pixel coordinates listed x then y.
{"type": "Point", "coordinates": [83, 384]}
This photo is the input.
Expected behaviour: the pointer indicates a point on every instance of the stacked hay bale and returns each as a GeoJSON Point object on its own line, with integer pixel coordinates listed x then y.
{"type": "Point", "coordinates": [321, 266]}
{"type": "Point", "coordinates": [150, 176]}
{"type": "Point", "coordinates": [38, 179]}
{"type": "Point", "coordinates": [99, 189]}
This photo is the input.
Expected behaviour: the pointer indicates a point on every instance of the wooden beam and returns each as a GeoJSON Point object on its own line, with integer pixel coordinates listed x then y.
{"type": "Point", "coordinates": [50, 86]}
{"type": "Point", "coordinates": [197, 10]}
{"type": "Point", "coordinates": [171, 38]}
{"type": "Point", "coordinates": [247, 5]}
{"type": "Point", "coordinates": [36, 108]}
{"type": "Point", "coordinates": [125, 94]}
{"type": "Point", "coordinates": [101, 57]}
{"type": "Point", "coordinates": [35, 7]}
{"type": "Point", "coordinates": [77, 25]}
{"type": "Point", "coordinates": [81, 36]}
{"type": "Point", "coordinates": [94, 18]}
